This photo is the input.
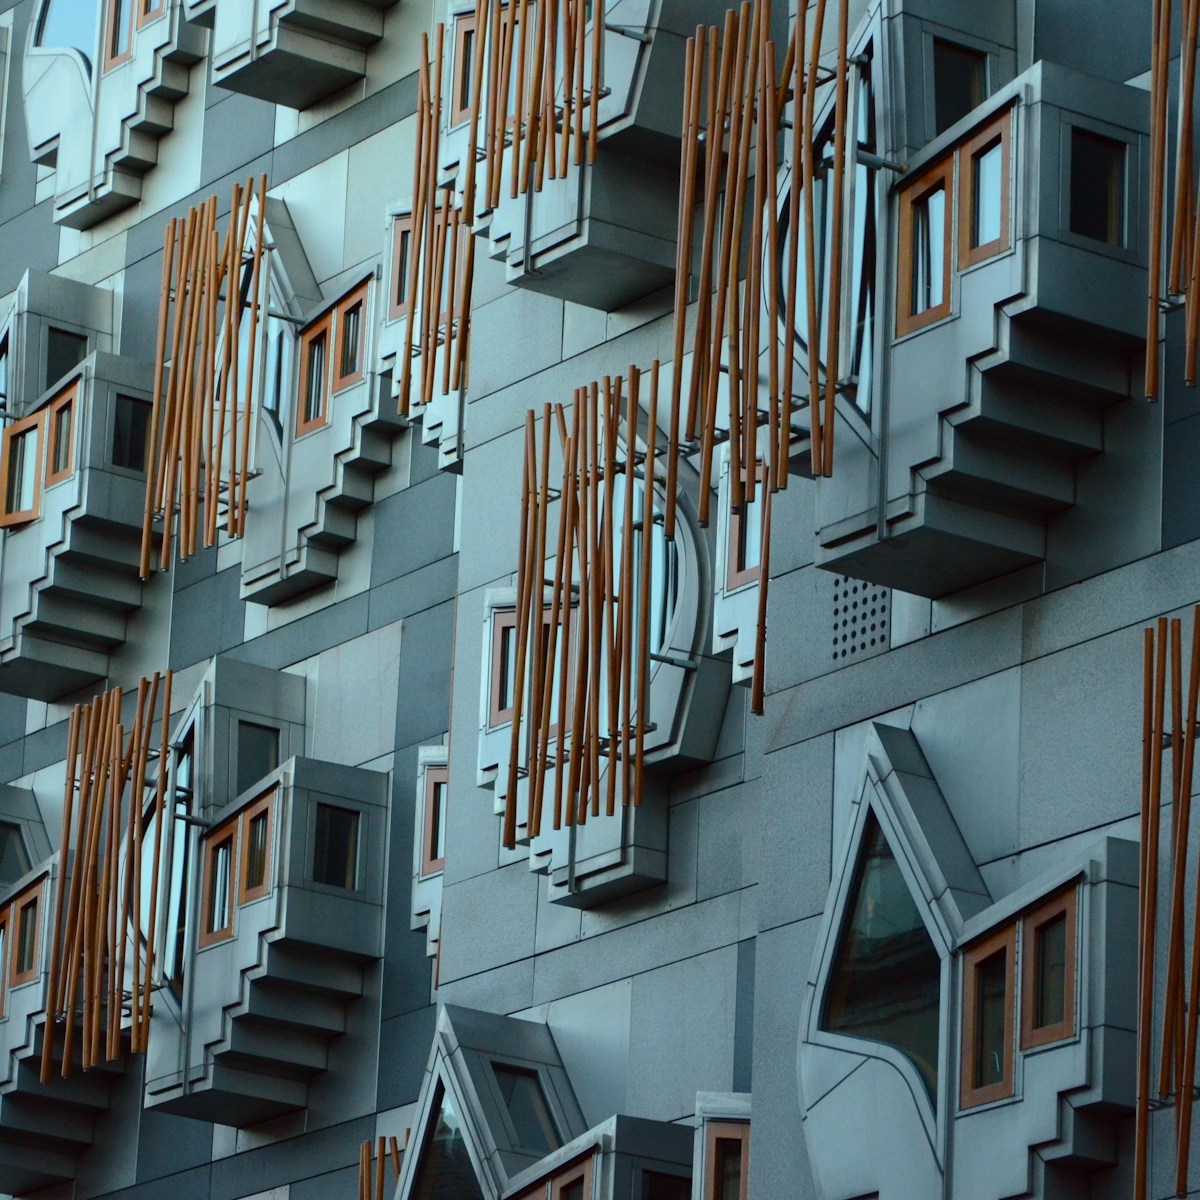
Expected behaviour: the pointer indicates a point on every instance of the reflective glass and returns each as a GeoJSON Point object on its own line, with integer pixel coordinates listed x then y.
{"type": "Point", "coordinates": [256, 851]}
{"type": "Point", "coordinates": [3, 371]}
{"type": "Point", "coordinates": [445, 1171]}
{"type": "Point", "coordinates": [728, 1169]}
{"type": "Point", "coordinates": [64, 350]}
{"type": "Point", "coordinates": [1097, 187]}
{"type": "Point", "coordinates": [27, 938]}
{"type": "Point", "coordinates": [929, 251]}
{"type": "Point", "coordinates": [257, 753]}
{"type": "Point", "coordinates": [987, 194]}
{"type": "Point", "coordinates": [218, 886]}
{"type": "Point", "coordinates": [335, 852]}
{"type": "Point", "coordinates": [71, 24]}
{"type": "Point", "coordinates": [351, 333]}
{"type": "Point", "coordinates": [61, 440]}
{"type": "Point", "coordinates": [14, 859]}
{"type": "Point", "coordinates": [886, 980]}
{"type": "Point", "coordinates": [131, 428]}
{"type": "Point", "coordinates": [437, 836]}
{"type": "Point", "coordinates": [1051, 958]}
{"type": "Point", "coordinates": [959, 81]}
{"type": "Point", "coordinates": [526, 1104]}
{"type": "Point", "coordinates": [22, 471]}
{"type": "Point", "coordinates": [314, 384]}
{"type": "Point", "coordinates": [990, 1022]}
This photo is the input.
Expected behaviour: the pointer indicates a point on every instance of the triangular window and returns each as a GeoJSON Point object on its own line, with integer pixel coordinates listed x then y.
{"type": "Point", "coordinates": [886, 981]}
{"type": "Point", "coordinates": [445, 1171]}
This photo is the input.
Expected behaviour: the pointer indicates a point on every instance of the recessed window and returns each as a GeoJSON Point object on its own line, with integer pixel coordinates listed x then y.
{"type": "Point", "coordinates": [464, 57]}
{"type": "Point", "coordinates": [351, 330]}
{"type": "Point", "coordinates": [959, 81]}
{"type": "Point", "coordinates": [257, 753]}
{"type": "Point", "coordinates": [64, 352]}
{"type": "Point", "coordinates": [726, 1160]}
{"type": "Point", "coordinates": [925, 257]}
{"type": "Point", "coordinates": [504, 666]}
{"type": "Point", "coordinates": [445, 1167]}
{"type": "Point", "coordinates": [20, 468]}
{"type": "Point", "coordinates": [744, 555]}
{"type": "Point", "coordinates": [4, 926]}
{"type": "Point", "coordinates": [658, 1186]}
{"type": "Point", "coordinates": [14, 858]}
{"type": "Point", "coordinates": [1097, 187]}
{"type": "Point", "coordinates": [573, 1183]}
{"type": "Point", "coordinates": [401, 249]}
{"type": "Point", "coordinates": [1048, 972]}
{"type": "Point", "coordinates": [314, 379]}
{"type": "Point", "coordinates": [885, 985]}
{"type": "Point", "coordinates": [433, 844]}
{"type": "Point", "coordinates": [131, 428]}
{"type": "Point", "coordinates": [984, 207]}
{"type": "Point", "coordinates": [25, 937]}
{"type": "Point", "coordinates": [256, 850]}
{"type": "Point", "coordinates": [217, 897]}
{"type": "Point", "coordinates": [987, 1027]}
{"type": "Point", "coordinates": [335, 848]}
{"type": "Point", "coordinates": [61, 446]}
{"type": "Point", "coordinates": [119, 32]}
{"type": "Point", "coordinates": [521, 1091]}
{"type": "Point", "coordinates": [3, 372]}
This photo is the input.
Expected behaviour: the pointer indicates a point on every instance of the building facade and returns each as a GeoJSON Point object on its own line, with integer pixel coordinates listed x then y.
{"type": "Point", "coordinates": [591, 604]}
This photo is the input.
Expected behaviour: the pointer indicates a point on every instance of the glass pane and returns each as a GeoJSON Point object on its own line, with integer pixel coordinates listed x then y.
{"type": "Point", "coordinates": [727, 1184]}
{"type": "Point", "coordinates": [657, 1186]}
{"type": "Point", "coordinates": [256, 851]}
{"type": "Point", "coordinates": [314, 384]}
{"type": "Point", "coordinates": [437, 836]}
{"type": "Point", "coordinates": [1097, 187]}
{"type": "Point", "coordinates": [14, 859]}
{"type": "Point", "coordinates": [3, 959]}
{"type": "Point", "coordinates": [990, 1034]}
{"type": "Point", "coordinates": [988, 195]}
{"type": "Point", "coordinates": [886, 980]}
{"type": "Point", "coordinates": [351, 332]}
{"type": "Point", "coordinates": [522, 1093]}
{"type": "Point", "coordinates": [218, 886]}
{"type": "Point", "coordinates": [445, 1171]}
{"type": "Point", "coordinates": [1050, 954]}
{"type": "Point", "coordinates": [335, 853]}
{"type": "Point", "coordinates": [27, 938]}
{"type": "Point", "coordinates": [959, 81]}
{"type": "Point", "coordinates": [862, 274]}
{"type": "Point", "coordinates": [573, 1191]}
{"type": "Point", "coordinates": [71, 24]}
{"type": "Point", "coordinates": [22, 471]}
{"type": "Point", "coordinates": [120, 30]}
{"type": "Point", "coordinates": [3, 371]}
{"type": "Point", "coordinates": [404, 239]}
{"type": "Point", "coordinates": [929, 249]}
{"type": "Point", "coordinates": [749, 550]}
{"type": "Point", "coordinates": [176, 882]}
{"type": "Point", "coordinates": [64, 350]}
{"type": "Point", "coordinates": [257, 753]}
{"type": "Point", "coordinates": [508, 668]}
{"type": "Point", "coordinates": [464, 69]}
{"type": "Point", "coordinates": [131, 428]}
{"type": "Point", "coordinates": [61, 458]}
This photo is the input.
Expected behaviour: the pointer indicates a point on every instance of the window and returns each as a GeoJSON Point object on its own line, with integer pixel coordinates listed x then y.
{"type": "Point", "coordinates": [445, 1168]}
{"type": "Point", "coordinates": [744, 555]}
{"type": "Point", "coordinates": [1097, 187]}
{"type": "Point", "coordinates": [657, 1186]}
{"type": "Point", "coordinates": [959, 81]}
{"type": "Point", "coordinates": [131, 429]}
{"type": "Point", "coordinates": [335, 849]}
{"type": "Point", "coordinates": [118, 36]}
{"type": "Point", "coordinates": [257, 753]}
{"type": "Point", "coordinates": [64, 352]}
{"type": "Point", "coordinates": [3, 373]}
{"type": "Point", "coordinates": [351, 338]}
{"type": "Point", "coordinates": [1048, 972]}
{"type": "Point", "coordinates": [983, 217]}
{"type": "Point", "coordinates": [464, 57]}
{"type": "Point", "coordinates": [504, 666]}
{"type": "Point", "coordinates": [4, 923]}
{"type": "Point", "coordinates": [24, 927]}
{"type": "Point", "coordinates": [726, 1160]}
{"type": "Point", "coordinates": [575, 1183]}
{"type": "Point", "coordinates": [314, 379]}
{"type": "Point", "coordinates": [217, 895]}
{"type": "Point", "coordinates": [61, 446]}
{"type": "Point", "coordinates": [987, 1020]}
{"type": "Point", "coordinates": [21, 469]}
{"type": "Point", "coordinates": [433, 843]}
{"type": "Point", "coordinates": [255, 879]}
{"type": "Point", "coordinates": [521, 1091]}
{"type": "Point", "coordinates": [70, 25]}
{"type": "Point", "coordinates": [925, 259]}
{"type": "Point", "coordinates": [401, 248]}
{"type": "Point", "coordinates": [886, 980]}
{"type": "Point", "coordinates": [14, 858]}
{"type": "Point", "coordinates": [149, 10]}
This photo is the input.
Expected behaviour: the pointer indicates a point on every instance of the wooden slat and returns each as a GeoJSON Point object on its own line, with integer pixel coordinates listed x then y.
{"type": "Point", "coordinates": [644, 589]}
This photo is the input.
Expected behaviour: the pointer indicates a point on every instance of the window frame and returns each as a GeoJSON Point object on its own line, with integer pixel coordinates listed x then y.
{"type": "Point", "coordinates": [1126, 227]}
{"type": "Point", "coordinates": [6, 928]}
{"type": "Point", "coordinates": [1066, 904]}
{"type": "Point", "coordinates": [430, 863]}
{"type": "Point", "coordinates": [322, 326]}
{"type": "Point", "coordinates": [21, 428]}
{"type": "Point", "coordinates": [148, 11]}
{"type": "Point", "coordinates": [357, 298]}
{"type": "Point", "coordinates": [111, 7]}
{"type": "Point", "coordinates": [463, 66]}
{"type": "Point", "coordinates": [227, 831]}
{"type": "Point", "coordinates": [725, 1130]}
{"type": "Point", "coordinates": [999, 941]}
{"type": "Point", "coordinates": [502, 619]}
{"type": "Point", "coordinates": [940, 175]}
{"type": "Point", "coordinates": [32, 896]}
{"type": "Point", "coordinates": [265, 804]}
{"type": "Point", "coordinates": [997, 131]}
{"type": "Point", "coordinates": [737, 577]}
{"type": "Point", "coordinates": [402, 227]}
{"type": "Point", "coordinates": [343, 804]}
{"type": "Point", "coordinates": [66, 400]}
{"type": "Point", "coordinates": [580, 1170]}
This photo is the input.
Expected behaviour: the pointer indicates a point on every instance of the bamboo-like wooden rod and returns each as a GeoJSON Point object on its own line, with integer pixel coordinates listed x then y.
{"type": "Point", "coordinates": [1170, 1016]}
{"type": "Point", "coordinates": [586, 451]}
{"type": "Point", "coordinates": [777, 453]}
{"type": "Point", "coordinates": [627, 598]}
{"type": "Point", "coordinates": [570, 521]}
{"type": "Point", "coordinates": [164, 304]}
{"type": "Point", "coordinates": [796, 48]}
{"type": "Point", "coordinates": [595, 80]}
{"type": "Point", "coordinates": [812, 326]}
{"type": "Point", "coordinates": [522, 33]}
{"type": "Point", "coordinates": [539, 691]}
{"type": "Point", "coordinates": [416, 239]}
{"type": "Point", "coordinates": [159, 819]}
{"type": "Point", "coordinates": [644, 589]}
{"type": "Point", "coordinates": [608, 652]}
{"type": "Point", "coordinates": [1182, 217]}
{"type": "Point", "coordinates": [1161, 23]}
{"type": "Point", "coordinates": [595, 596]}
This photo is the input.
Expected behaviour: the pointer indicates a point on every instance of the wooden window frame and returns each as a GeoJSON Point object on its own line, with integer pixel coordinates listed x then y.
{"type": "Point", "coordinates": [715, 1131]}
{"type": "Point", "coordinates": [66, 400]}
{"type": "Point", "coordinates": [502, 619]}
{"type": "Point", "coordinates": [736, 577]}
{"type": "Point", "coordinates": [148, 11]}
{"type": "Point", "coordinates": [401, 225]}
{"type": "Point", "coordinates": [227, 832]}
{"type": "Point", "coordinates": [5, 957]}
{"type": "Point", "coordinates": [996, 132]}
{"type": "Point", "coordinates": [467, 22]}
{"type": "Point", "coordinates": [265, 804]}
{"type": "Point", "coordinates": [110, 28]}
{"type": "Point", "coordinates": [322, 326]}
{"type": "Point", "coordinates": [1065, 904]}
{"type": "Point", "coordinates": [1001, 941]}
{"type": "Point", "coordinates": [430, 864]}
{"type": "Point", "coordinates": [11, 433]}
{"type": "Point", "coordinates": [354, 299]}
{"type": "Point", "coordinates": [938, 176]}
{"type": "Point", "coordinates": [18, 906]}
{"type": "Point", "coordinates": [580, 1170]}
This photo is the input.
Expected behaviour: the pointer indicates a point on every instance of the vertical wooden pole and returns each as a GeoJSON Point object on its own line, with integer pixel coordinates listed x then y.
{"type": "Point", "coordinates": [644, 589]}
{"type": "Point", "coordinates": [570, 520]}
{"type": "Point", "coordinates": [482, 15]}
{"type": "Point", "coordinates": [627, 592]}
{"type": "Point", "coordinates": [164, 761]}
{"type": "Point", "coordinates": [1161, 19]}
{"type": "Point", "coordinates": [156, 402]}
{"type": "Point", "coordinates": [597, 55]}
{"type": "Point", "coordinates": [796, 46]}
{"type": "Point", "coordinates": [416, 243]}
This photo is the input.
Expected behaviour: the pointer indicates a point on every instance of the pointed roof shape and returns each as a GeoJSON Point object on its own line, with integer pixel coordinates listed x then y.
{"type": "Point", "coordinates": [496, 1100]}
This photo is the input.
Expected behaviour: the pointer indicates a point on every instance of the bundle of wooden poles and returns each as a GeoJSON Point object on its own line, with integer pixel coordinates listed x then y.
{"type": "Point", "coordinates": [548, 115]}
{"type": "Point", "coordinates": [593, 636]}
{"type": "Point", "coordinates": [200, 421]}
{"type": "Point", "coordinates": [441, 259]}
{"type": "Point", "coordinates": [372, 1167]}
{"type": "Point", "coordinates": [1173, 1075]}
{"type": "Point", "coordinates": [96, 920]}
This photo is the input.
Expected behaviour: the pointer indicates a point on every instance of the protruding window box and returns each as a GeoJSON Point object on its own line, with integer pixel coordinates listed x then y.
{"type": "Point", "coordinates": [291, 52]}
{"type": "Point", "coordinates": [73, 491]}
{"type": "Point", "coordinates": [287, 908]}
{"type": "Point", "coordinates": [1013, 326]}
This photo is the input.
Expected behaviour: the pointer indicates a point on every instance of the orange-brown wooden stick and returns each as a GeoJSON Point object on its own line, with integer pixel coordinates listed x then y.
{"type": "Point", "coordinates": [770, 135]}
{"type": "Point", "coordinates": [451, 302]}
{"type": "Point", "coordinates": [570, 519]}
{"type": "Point", "coordinates": [539, 691]}
{"type": "Point", "coordinates": [462, 343]}
{"type": "Point", "coordinates": [519, 129]}
{"type": "Point", "coordinates": [644, 589]}
{"type": "Point", "coordinates": [417, 237]}
{"type": "Point", "coordinates": [1181, 223]}
{"type": "Point", "coordinates": [596, 80]}
{"type": "Point", "coordinates": [586, 447]}
{"type": "Point", "coordinates": [793, 253]}
{"type": "Point", "coordinates": [156, 400]}
{"type": "Point", "coordinates": [479, 49]}
{"type": "Point", "coordinates": [160, 818]}
{"type": "Point", "coordinates": [1185, 1083]}
{"type": "Point", "coordinates": [1161, 16]}
{"type": "Point", "coordinates": [628, 599]}
{"type": "Point", "coordinates": [811, 265]}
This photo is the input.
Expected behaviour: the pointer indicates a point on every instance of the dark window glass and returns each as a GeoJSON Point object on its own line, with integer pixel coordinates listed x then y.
{"type": "Point", "coordinates": [1097, 187]}
{"type": "Point", "coordinates": [508, 668]}
{"type": "Point", "coordinates": [64, 350]}
{"type": "Point", "coordinates": [120, 31]}
{"type": "Point", "coordinates": [886, 980]}
{"type": "Point", "coordinates": [573, 1191]}
{"type": "Point", "coordinates": [437, 834]}
{"type": "Point", "coordinates": [405, 241]}
{"type": "Point", "coordinates": [175, 884]}
{"type": "Point", "coordinates": [657, 1186]}
{"type": "Point", "coordinates": [70, 24]}
{"type": "Point", "coordinates": [990, 1032]}
{"type": "Point", "coordinates": [351, 335]}
{"type": "Point", "coordinates": [14, 858]}
{"type": "Point", "coordinates": [526, 1103]}
{"type": "Point", "coordinates": [445, 1171]}
{"type": "Point", "coordinates": [1050, 954]}
{"type": "Point", "coordinates": [131, 428]}
{"type": "Point", "coordinates": [335, 854]}
{"type": "Point", "coordinates": [749, 544]}
{"type": "Point", "coordinates": [3, 372]}
{"type": "Point", "coordinates": [728, 1169]}
{"type": "Point", "coordinates": [218, 886]}
{"type": "Point", "coordinates": [27, 938]}
{"type": "Point", "coordinates": [465, 68]}
{"type": "Point", "coordinates": [60, 440]}
{"type": "Point", "coordinates": [929, 251]}
{"type": "Point", "coordinates": [256, 852]}
{"type": "Point", "coordinates": [314, 385]}
{"type": "Point", "coordinates": [22, 471]}
{"type": "Point", "coordinates": [959, 81]}
{"type": "Point", "coordinates": [257, 753]}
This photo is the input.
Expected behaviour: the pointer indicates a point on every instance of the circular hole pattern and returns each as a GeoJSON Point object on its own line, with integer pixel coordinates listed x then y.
{"type": "Point", "coordinates": [860, 619]}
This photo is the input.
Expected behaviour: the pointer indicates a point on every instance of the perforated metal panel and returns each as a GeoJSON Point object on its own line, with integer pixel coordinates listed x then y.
{"type": "Point", "coordinates": [861, 618]}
